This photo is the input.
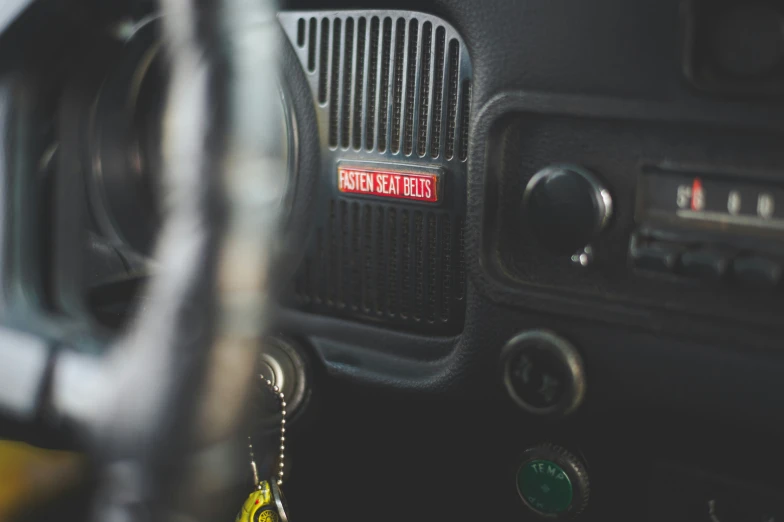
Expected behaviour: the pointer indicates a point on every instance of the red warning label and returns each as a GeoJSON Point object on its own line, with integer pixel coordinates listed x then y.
{"type": "Point", "coordinates": [399, 185]}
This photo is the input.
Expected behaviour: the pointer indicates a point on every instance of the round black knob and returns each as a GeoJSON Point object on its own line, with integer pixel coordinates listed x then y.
{"type": "Point", "coordinates": [565, 207]}
{"type": "Point", "coordinates": [543, 373]}
{"type": "Point", "coordinates": [552, 482]}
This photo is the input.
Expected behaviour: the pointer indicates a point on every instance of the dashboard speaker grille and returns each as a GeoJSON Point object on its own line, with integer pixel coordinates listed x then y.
{"type": "Point", "coordinates": [392, 88]}
{"type": "Point", "coordinates": [392, 266]}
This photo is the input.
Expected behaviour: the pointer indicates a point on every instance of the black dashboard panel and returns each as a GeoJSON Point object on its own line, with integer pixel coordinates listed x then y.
{"type": "Point", "coordinates": [556, 63]}
{"type": "Point", "coordinates": [678, 369]}
{"type": "Point", "coordinates": [684, 385]}
{"type": "Point", "coordinates": [620, 142]}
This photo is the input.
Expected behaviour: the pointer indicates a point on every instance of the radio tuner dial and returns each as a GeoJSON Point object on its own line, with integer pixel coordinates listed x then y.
{"type": "Point", "coordinates": [566, 207]}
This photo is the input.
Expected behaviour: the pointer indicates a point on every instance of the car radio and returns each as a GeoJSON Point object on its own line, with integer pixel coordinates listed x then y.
{"type": "Point", "coordinates": [710, 226]}
{"type": "Point", "coordinates": [603, 208]}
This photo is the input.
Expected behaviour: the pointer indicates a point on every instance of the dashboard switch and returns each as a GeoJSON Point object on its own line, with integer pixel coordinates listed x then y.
{"type": "Point", "coordinates": [656, 256]}
{"type": "Point", "coordinates": [543, 373]}
{"type": "Point", "coordinates": [552, 482]}
{"type": "Point", "coordinates": [705, 263]}
{"type": "Point", "coordinates": [757, 271]}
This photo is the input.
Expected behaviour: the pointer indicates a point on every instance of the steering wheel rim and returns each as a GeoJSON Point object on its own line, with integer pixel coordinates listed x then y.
{"type": "Point", "coordinates": [141, 407]}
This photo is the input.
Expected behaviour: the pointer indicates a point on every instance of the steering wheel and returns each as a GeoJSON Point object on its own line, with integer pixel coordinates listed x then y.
{"type": "Point", "coordinates": [160, 410]}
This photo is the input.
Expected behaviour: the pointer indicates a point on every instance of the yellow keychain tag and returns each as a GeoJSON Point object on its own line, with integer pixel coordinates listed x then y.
{"type": "Point", "coordinates": [265, 504]}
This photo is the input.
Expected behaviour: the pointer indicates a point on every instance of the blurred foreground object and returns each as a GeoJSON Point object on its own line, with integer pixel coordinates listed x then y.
{"type": "Point", "coordinates": [33, 476]}
{"type": "Point", "coordinates": [160, 412]}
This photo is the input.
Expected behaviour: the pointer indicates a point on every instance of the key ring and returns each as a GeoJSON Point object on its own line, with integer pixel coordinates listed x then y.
{"type": "Point", "coordinates": [266, 502]}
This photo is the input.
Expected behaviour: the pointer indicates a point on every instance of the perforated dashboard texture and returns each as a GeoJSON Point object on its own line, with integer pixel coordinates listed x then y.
{"type": "Point", "coordinates": [392, 88]}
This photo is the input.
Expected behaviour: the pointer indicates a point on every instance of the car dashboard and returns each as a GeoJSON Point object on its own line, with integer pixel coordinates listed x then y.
{"type": "Point", "coordinates": [524, 234]}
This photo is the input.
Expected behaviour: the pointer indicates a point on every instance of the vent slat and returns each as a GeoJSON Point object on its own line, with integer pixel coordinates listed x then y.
{"type": "Point", "coordinates": [465, 111]}
{"type": "Point", "coordinates": [324, 60]}
{"type": "Point", "coordinates": [380, 255]}
{"type": "Point", "coordinates": [393, 287]}
{"type": "Point", "coordinates": [312, 38]}
{"type": "Point", "coordinates": [405, 263]}
{"type": "Point", "coordinates": [355, 263]}
{"type": "Point", "coordinates": [347, 83]}
{"type": "Point", "coordinates": [411, 86]}
{"type": "Point", "coordinates": [334, 87]}
{"type": "Point", "coordinates": [372, 88]}
{"type": "Point", "coordinates": [368, 287]}
{"type": "Point", "coordinates": [360, 87]}
{"type": "Point", "coordinates": [419, 265]}
{"type": "Point", "coordinates": [452, 96]}
{"type": "Point", "coordinates": [399, 72]}
{"type": "Point", "coordinates": [301, 32]}
{"type": "Point", "coordinates": [425, 88]}
{"type": "Point", "coordinates": [386, 86]}
{"type": "Point", "coordinates": [438, 93]}
{"type": "Point", "coordinates": [446, 266]}
{"type": "Point", "coordinates": [432, 267]}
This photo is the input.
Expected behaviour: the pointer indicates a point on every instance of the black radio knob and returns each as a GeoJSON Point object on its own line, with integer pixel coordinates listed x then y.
{"type": "Point", "coordinates": [565, 207]}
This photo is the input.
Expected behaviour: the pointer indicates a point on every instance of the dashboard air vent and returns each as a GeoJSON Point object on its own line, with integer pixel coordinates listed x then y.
{"type": "Point", "coordinates": [410, 59]}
